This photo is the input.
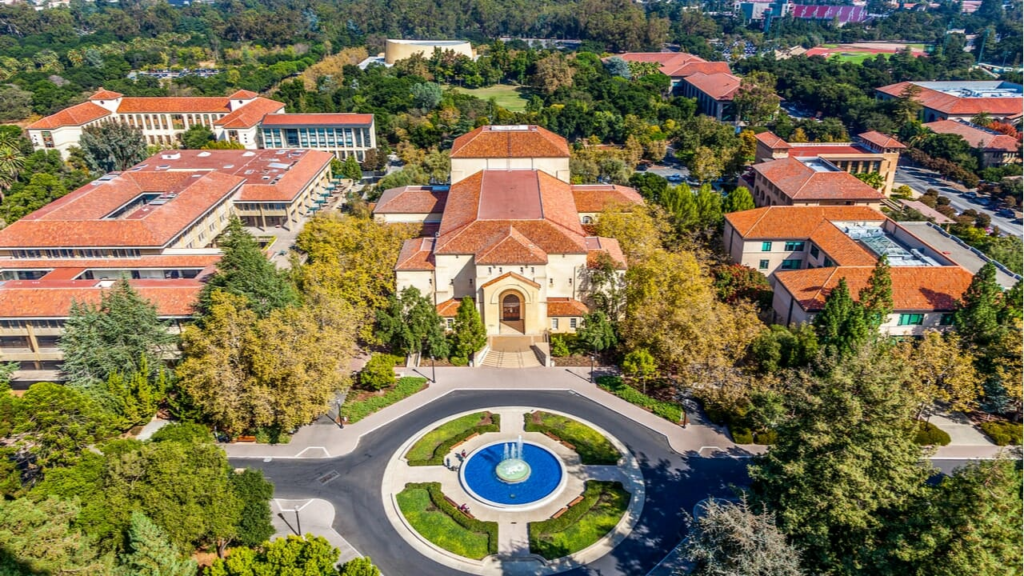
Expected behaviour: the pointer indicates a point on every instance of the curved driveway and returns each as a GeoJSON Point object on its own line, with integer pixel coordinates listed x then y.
{"type": "Point", "coordinates": [675, 483]}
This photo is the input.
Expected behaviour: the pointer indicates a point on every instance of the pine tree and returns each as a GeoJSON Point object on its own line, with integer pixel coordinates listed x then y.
{"type": "Point", "coordinates": [468, 330]}
{"type": "Point", "coordinates": [1013, 302]}
{"type": "Point", "coordinates": [739, 200]}
{"type": "Point", "coordinates": [977, 314]}
{"type": "Point", "coordinates": [876, 297]}
{"type": "Point", "coordinates": [350, 169]}
{"type": "Point", "coordinates": [150, 553]}
{"type": "Point", "coordinates": [841, 326]}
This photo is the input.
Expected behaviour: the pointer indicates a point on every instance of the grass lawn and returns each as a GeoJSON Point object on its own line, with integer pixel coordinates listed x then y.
{"type": "Point", "coordinates": [670, 411]}
{"type": "Point", "coordinates": [508, 97]}
{"type": "Point", "coordinates": [436, 522]}
{"type": "Point", "coordinates": [603, 505]}
{"type": "Point", "coordinates": [431, 448]}
{"type": "Point", "coordinates": [855, 57]}
{"type": "Point", "coordinates": [359, 406]}
{"type": "Point", "coordinates": [592, 447]}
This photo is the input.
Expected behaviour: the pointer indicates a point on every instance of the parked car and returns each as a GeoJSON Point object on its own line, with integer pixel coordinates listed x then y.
{"type": "Point", "coordinates": [674, 178]}
{"type": "Point", "coordinates": [1005, 213]}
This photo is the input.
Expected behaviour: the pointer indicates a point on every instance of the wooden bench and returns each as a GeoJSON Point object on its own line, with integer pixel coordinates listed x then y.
{"type": "Point", "coordinates": [569, 446]}
{"type": "Point", "coordinates": [464, 440]}
{"type": "Point", "coordinates": [456, 506]}
{"type": "Point", "coordinates": [552, 436]}
{"type": "Point", "coordinates": [249, 439]}
{"type": "Point", "coordinates": [576, 501]}
{"type": "Point", "coordinates": [560, 512]}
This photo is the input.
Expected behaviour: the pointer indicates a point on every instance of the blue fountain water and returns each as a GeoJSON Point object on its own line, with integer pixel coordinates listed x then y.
{"type": "Point", "coordinates": [480, 476]}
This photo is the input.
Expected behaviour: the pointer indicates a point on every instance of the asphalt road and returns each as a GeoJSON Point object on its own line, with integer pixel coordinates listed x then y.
{"type": "Point", "coordinates": [675, 483]}
{"type": "Point", "coordinates": [921, 179]}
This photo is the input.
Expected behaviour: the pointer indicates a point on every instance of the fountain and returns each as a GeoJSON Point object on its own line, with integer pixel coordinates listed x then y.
{"type": "Point", "coordinates": [513, 469]}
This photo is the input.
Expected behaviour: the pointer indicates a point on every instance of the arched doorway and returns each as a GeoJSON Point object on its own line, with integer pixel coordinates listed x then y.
{"type": "Point", "coordinates": [511, 308]}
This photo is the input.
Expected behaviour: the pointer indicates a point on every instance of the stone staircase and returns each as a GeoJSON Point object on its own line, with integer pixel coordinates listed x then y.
{"type": "Point", "coordinates": [512, 352]}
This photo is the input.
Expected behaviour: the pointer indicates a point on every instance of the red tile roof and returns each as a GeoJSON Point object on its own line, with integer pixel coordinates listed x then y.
{"type": "Point", "coordinates": [716, 86]}
{"type": "Point", "coordinates": [678, 64]}
{"type": "Point", "coordinates": [513, 247]}
{"type": "Point", "coordinates": [156, 261]}
{"type": "Point", "coordinates": [949, 104]}
{"type": "Point", "coordinates": [52, 299]}
{"type": "Point", "coordinates": [173, 105]}
{"type": "Point", "coordinates": [518, 277]}
{"type": "Point", "coordinates": [598, 246]}
{"type": "Point", "coordinates": [914, 288]}
{"type": "Point", "coordinates": [243, 95]}
{"type": "Point", "coordinates": [771, 140]}
{"type": "Point", "coordinates": [510, 142]}
{"type": "Point", "coordinates": [795, 222]}
{"type": "Point", "coordinates": [976, 136]}
{"type": "Point", "coordinates": [690, 68]}
{"type": "Point", "coordinates": [566, 307]}
{"type": "Point", "coordinates": [104, 94]}
{"type": "Point", "coordinates": [412, 200]}
{"type": "Point", "coordinates": [800, 182]}
{"type": "Point", "coordinates": [880, 140]}
{"type": "Point", "coordinates": [842, 249]}
{"type": "Point", "coordinates": [76, 115]}
{"type": "Point", "coordinates": [318, 120]}
{"type": "Point", "coordinates": [597, 197]}
{"type": "Point", "coordinates": [449, 308]}
{"type": "Point", "coordinates": [814, 151]}
{"type": "Point", "coordinates": [251, 114]}
{"type": "Point", "coordinates": [416, 254]}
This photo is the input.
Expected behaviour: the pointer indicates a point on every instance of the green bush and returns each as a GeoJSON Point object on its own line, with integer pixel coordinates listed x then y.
{"type": "Point", "coordinates": [357, 410]}
{"type": "Point", "coordinates": [1003, 433]}
{"type": "Point", "coordinates": [433, 489]}
{"type": "Point", "coordinates": [767, 438]}
{"type": "Point", "coordinates": [431, 449]}
{"type": "Point", "coordinates": [559, 348]}
{"type": "Point", "coordinates": [667, 410]}
{"type": "Point", "coordinates": [379, 372]}
{"type": "Point", "coordinates": [590, 444]}
{"type": "Point", "coordinates": [741, 435]}
{"type": "Point", "coordinates": [581, 525]}
{"type": "Point", "coordinates": [458, 361]}
{"type": "Point", "coordinates": [929, 434]}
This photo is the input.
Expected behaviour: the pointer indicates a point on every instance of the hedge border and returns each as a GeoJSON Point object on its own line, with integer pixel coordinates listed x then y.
{"type": "Point", "coordinates": [405, 387]}
{"type": "Point", "coordinates": [591, 494]}
{"type": "Point", "coordinates": [437, 498]}
{"type": "Point", "coordinates": [530, 426]}
{"type": "Point", "coordinates": [614, 384]}
{"type": "Point", "coordinates": [928, 434]}
{"type": "Point", "coordinates": [443, 448]}
{"type": "Point", "coordinates": [1003, 433]}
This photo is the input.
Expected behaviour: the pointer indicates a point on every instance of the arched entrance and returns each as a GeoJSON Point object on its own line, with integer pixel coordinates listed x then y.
{"type": "Point", "coordinates": [512, 313]}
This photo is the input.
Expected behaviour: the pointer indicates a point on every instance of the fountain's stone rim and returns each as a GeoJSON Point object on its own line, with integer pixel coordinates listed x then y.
{"type": "Point", "coordinates": [513, 471]}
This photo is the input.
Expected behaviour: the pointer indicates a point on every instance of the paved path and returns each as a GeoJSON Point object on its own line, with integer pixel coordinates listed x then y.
{"type": "Point", "coordinates": [309, 516]}
{"type": "Point", "coordinates": [921, 179]}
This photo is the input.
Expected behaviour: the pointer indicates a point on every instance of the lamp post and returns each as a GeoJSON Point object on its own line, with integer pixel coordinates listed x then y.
{"type": "Point", "coordinates": [433, 371]}
{"type": "Point", "coordinates": [592, 355]}
{"type": "Point", "coordinates": [298, 523]}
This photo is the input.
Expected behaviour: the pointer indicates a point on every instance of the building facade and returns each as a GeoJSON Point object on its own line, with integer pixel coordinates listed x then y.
{"type": "Point", "coordinates": [962, 100]}
{"type": "Point", "coordinates": [808, 182]}
{"type": "Point", "coordinates": [994, 149]}
{"type": "Point", "coordinates": [343, 135]}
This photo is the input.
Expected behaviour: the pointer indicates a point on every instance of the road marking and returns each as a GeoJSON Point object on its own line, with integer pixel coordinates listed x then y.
{"type": "Point", "coordinates": [299, 455]}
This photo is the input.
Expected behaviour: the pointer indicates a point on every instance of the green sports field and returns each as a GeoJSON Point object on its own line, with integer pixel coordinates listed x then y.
{"type": "Point", "coordinates": [509, 97]}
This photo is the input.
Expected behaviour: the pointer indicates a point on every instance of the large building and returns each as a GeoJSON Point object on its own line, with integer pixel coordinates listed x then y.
{"type": "Point", "coordinates": [808, 182]}
{"type": "Point", "coordinates": [805, 251]}
{"type": "Point", "coordinates": [994, 148]}
{"type": "Point", "coordinates": [243, 117]}
{"type": "Point", "coordinates": [395, 50]}
{"type": "Point", "coordinates": [871, 152]}
{"type": "Point", "coordinates": [962, 100]}
{"type": "Point", "coordinates": [509, 235]}
{"type": "Point", "coordinates": [154, 225]}
{"type": "Point", "coordinates": [711, 83]}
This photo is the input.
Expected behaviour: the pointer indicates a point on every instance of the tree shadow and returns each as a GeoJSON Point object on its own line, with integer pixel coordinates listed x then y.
{"type": "Point", "coordinates": [10, 564]}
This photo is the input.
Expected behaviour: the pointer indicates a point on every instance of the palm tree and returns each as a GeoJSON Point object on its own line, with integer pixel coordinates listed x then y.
{"type": "Point", "coordinates": [11, 162]}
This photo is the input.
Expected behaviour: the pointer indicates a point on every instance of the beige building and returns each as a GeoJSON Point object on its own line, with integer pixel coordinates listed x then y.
{"type": "Point", "coordinates": [343, 135]}
{"type": "Point", "coordinates": [808, 182]}
{"type": "Point", "coordinates": [510, 239]}
{"type": "Point", "coordinates": [994, 149]}
{"type": "Point", "coordinates": [395, 50]}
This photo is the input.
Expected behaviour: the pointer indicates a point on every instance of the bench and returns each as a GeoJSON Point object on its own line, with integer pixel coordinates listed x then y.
{"type": "Point", "coordinates": [249, 439]}
{"type": "Point", "coordinates": [576, 501]}
{"type": "Point", "coordinates": [464, 440]}
{"type": "Point", "coordinates": [456, 506]}
{"type": "Point", "coordinates": [569, 446]}
{"type": "Point", "coordinates": [560, 512]}
{"type": "Point", "coordinates": [552, 436]}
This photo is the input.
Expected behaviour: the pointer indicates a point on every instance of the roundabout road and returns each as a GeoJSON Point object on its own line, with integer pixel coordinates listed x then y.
{"type": "Point", "coordinates": [352, 483]}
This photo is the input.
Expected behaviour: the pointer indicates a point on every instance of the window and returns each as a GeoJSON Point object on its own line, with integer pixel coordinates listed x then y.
{"type": "Point", "coordinates": [791, 264]}
{"type": "Point", "coordinates": [449, 322]}
{"type": "Point", "coordinates": [762, 265]}
{"type": "Point", "coordinates": [554, 323]}
{"type": "Point", "coordinates": [815, 252]}
{"type": "Point", "coordinates": [766, 246]}
{"type": "Point", "coordinates": [911, 319]}
{"type": "Point", "coordinates": [828, 263]}
{"type": "Point", "coordinates": [794, 246]}
{"type": "Point", "coordinates": [572, 323]}
{"type": "Point", "coordinates": [946, 320]}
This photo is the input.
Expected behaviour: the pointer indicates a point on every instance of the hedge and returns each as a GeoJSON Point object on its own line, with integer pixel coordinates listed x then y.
{"type": "Point", "coordinates": [929, 434]}
{"type": "Point", "coordinates": [541, 533]}
{"type": "Point", "coordinates": [592, 447]}
{"type": "Point", "coordinates": [470, 524]}
{"type": "Point", "coordinates": [1003, 433]}
{"type": "Point", "coordinates": [667, 410]}
{"type": "Point", "coordinates": [458, 435]}
{"type": "Point", "coordinates": [356, 410]}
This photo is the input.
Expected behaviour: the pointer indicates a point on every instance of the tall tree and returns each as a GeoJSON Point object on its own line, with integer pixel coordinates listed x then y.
{"type": "Point", "coordinates": [291, 556]}
{"type": "Point", "coordinates": [359, 567]}
{"type": "Point", "coordinates": [196, 137]}
{"type": "Point", "coordinates": [977, 314]}
{"type": "Point", "coordinates": [639, 364]}
{"type": "Point", "coordinates": [738, 200]}
{"type": "Point", "coordinates": [149, 553]}
{"type": "Point", "coordinates": [255, 492]}
{"type": "Point", "coordinates": [597, 332]}
{"type": "Point", "coordinates": [941, 371]}
{"type": "Point", "coordinates": [12, 160]}
{"type": "Point", "coordinates": [55, 423]}
{"type": "Point", "coordinates": [245, 271]}
{"type": "Point", "coordinates": [876, 297]}
{"type": "Point", "coordinates": [351, 169]}
{"type": "Point", "coordinates": [112, 146]}
{"type": "Point", "coordinates": [733, 540]}
{"type": "Point", "coordinates": [841, 326]}
{"type": "Point", "coordinates": [468, 331]}
{"type": "Point", "coordinates": [41, 189]}
{"type": "Point", "coordinates": [411, 324]}
{"type": "Point", "coordinates": [41, 538]}
{"type": "Point", "coordinates": [756, 100]}
{"type": "Point", "coordinates": [553, 72]}
{"type": "Point", "coordinates": [117, 336]}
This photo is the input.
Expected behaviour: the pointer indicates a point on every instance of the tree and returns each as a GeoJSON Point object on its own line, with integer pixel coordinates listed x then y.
{"type": "Point", "coordinates": [255, 492]}
{"type": "Point", "coordinates": [941, 372]}
{"type": "Point", "coordinates": [597, 332]}
{"type": "Point", "coordinates": [639, 364]}
{"type": "Point", "coordinates": [876, 297]}
{"type": "Point", "coordinates": [243, 270]}
{"type": "Point", "coordinates": [779, 348]}
{"type": "Point", "coordinates": [552, 73]}
{"type": "Point", "coordinates": [618, 67]}
{"type": "Point", "coordinates": [873, 179]}
{"type": "Point", "coordinates": [844, 459]}
{"type": "Point", "coordinates": [12, 160]}
{"type": "Point", "coordinates": [411, 324]}
{"type": "Point", "coordinates": [468, 331]}
{"type": "Point", "coordinates": [359, 567]}
{"type": "Point", "coordinates": [841, 326]}
{"type": "Point", "coordinates": [738, 200]}
{"type": "Point", "coordinates": [426, 95]}
{"type": "Point", "coordinates": [15, 103]}
{"type": "Point", "coordinates": [115, 337]}
{"type": "Point", "coordinates": [55, 423]}
{"type": "Point", "coordinates": [733, 540]}
{"type": "Point", "coordinates": [350, 169]}
{"type": "Point", "coordinates": [378, 373]}
{"type": "Point", "coordinates": [736, 282]}
{"type": "Point", "coordinates": [112, 146]}
{"type": "Point", "coordinates": [196, 137]}
{"type": "Point", "coordinates": [40, 538]}
{"type": "Point", "coordinates": [148, 553]}
{"type": "Point", "coordinates": [977, 314]}
{"type": "Point", "coordinates": [291, 556]}
{"type": "Point", "coordinates": [756, 100]}
{"type": "Point", "coordinates": [707, 164]}
{"type": "Point", "coordinates": [135, 396]}
{"type": "Point", "coordinates": [41, 189]}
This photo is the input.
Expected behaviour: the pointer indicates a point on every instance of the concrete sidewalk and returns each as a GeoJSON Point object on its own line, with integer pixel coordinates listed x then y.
{"type": "Point", "coordinates": [310, 516]}
{"type": "Point", "coordinates": [700, 438]}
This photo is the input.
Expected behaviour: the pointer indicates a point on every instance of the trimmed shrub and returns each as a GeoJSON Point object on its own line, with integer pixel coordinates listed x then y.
{"type": "Point", "coordinates": [741, 435]}
{"type": "Point", "coordinates": [445, 446]}
{"type": "Point", "coordinates": [357, 410]}
{"type": "Point", "coordinates": [471, 524]}
{"type": "Point", "coordinates": [601, 502]}
{"type": "Point", "coordinates": [929, 434]}
{"type": "Point", "coordinates": [559, 348]}
{"type": "Point", "coordinates": [592, 447]}
{"type": "Point", "coordinates": [458, 361]}
{"type": "Point", "coordinates": [379, 372]}
{"type": "Point", "coordinates": [669, 411]}
{"type": "Point", "coordinates": [1003, 433]}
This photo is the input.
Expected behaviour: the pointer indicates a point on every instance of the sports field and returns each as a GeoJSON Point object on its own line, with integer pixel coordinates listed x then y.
{"type": "Point", "coordinates": [509, 97]}
{"type": "Point", "coordinates": [858, 52]}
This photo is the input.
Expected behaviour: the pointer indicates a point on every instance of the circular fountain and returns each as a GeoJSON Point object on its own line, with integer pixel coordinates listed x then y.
{"type": "Point", "coordinates": [513, 475]}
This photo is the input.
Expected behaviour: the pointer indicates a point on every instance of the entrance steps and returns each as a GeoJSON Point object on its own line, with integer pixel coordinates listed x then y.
{"type": "Point", "coordinates": [512, 352]}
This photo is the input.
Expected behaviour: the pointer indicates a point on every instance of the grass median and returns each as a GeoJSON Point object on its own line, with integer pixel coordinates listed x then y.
{"type": "Point", "coordinates": [582, 525]}
{"type": "Point", "coordinates": [669, 411]}
{"type": "Point", "coordinates": [590, 444]}
{"type": "Point", "coordinates": [356, 410]}
{"type": "Point", "coordinates": [432, 447]}
{"type": "Point", "coordinates": [437, 520]}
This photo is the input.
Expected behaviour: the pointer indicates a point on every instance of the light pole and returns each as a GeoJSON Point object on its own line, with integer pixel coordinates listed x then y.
{"type": "Point", "coordinates": [298, 523]}
{"type": "Point", "coordinates": [592, 356]}
{"type": "Point", "coordinates": [433, 371]}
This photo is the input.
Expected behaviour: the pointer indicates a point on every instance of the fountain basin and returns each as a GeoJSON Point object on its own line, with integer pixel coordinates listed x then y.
{"type": "Point", "coordinates": [501, 483]}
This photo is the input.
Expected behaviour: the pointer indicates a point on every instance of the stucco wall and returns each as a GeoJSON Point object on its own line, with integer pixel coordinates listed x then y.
{"type": "Point", "coordinates": [395, 50]}
{"type": "Point", "coordinates": [465, 167]}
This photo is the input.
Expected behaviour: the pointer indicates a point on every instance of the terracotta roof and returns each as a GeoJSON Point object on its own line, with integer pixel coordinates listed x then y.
{"type": "Point", "coordinates": [721, 86]}
{"type": "Point", "coordinates": [692, 67]}
{"type": "Point", "coordinates": [173, 104]}
{"type": "Point", "coordinates": [914, 288]}
{"type": "Point", "coordinates": [800, 182]}
{"type": "Point", "coordinates": [566, 307]}
{"type": "Point", "coordinates": [49, 299]}
{"type": "Point", "coordinates": [76, 115]}
{"type": "Point", "coordinates": [243, 95]}
{"type": "Point", "coordinates": [510, 142]}
{"type": "Point", "coordinates": [416, 254]}
{"type": "Point", "coordinates": [155, 261]}
{"type": "Point", "coordinates": [814, 151]}
{"type": "Point", "coordinates": [449, 308]}
{"type": "Point", "coordinates": [318, 120]}
{"type": "Point", "coordinates": [976, 136]}
{"type": "Point", "coordinates": [677, 64]}
{"type": "Point", "coordinates": [251, 114]}
{"type": "Point", "coordinates": [103, 94]}
{"type": "Point", "coordinates": [510, 275]}
{"type": "Point", "coordinates": [596, 246]}
{"type": "Point", "coordinates": [77, 219]}
{"type": "Point", "coordinates": [795, 222]}
{"type": "Point", "coordinates": [842, 249]}
{"type": "Point", "coordinates": [880, 140]}
{"type": "Point", "coordinates": [513, 248]}
{"type": "Point", "coordinates": [949, 104]}
{"type": "Point", "coordinates": [597, 197]}
{"type": "Point", "coordinates": [771, 140]}
{"type": "Point", "coordinates": [412, 200]}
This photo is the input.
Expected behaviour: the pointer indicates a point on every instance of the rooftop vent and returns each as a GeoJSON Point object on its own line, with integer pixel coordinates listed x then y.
{"type": "Point", "coordinates": [105, 283]}
{"type": "Point", "coordinates": [248, 153]}
{"type": "Point", "coordinates": [203, 154]}
{"type": "Point", "coordinates": [174, 156]}
{"type": "Point", "coordinates": [228, 166]}
{"type": "Point", "coordinates": [163, 167]}
{"type": "Point", "coordinates": [511, 128]}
